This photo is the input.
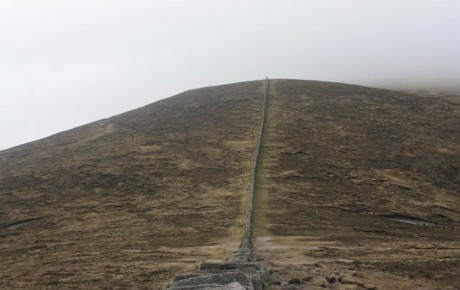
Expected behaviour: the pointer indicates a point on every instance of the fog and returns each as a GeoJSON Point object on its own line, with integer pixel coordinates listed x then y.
{"type": "Point", "coordinates": [64, 63]}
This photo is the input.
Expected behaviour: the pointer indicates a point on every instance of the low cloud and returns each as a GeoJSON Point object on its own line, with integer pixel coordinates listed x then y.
{"type": "Point", "coordinates": [66, 63]}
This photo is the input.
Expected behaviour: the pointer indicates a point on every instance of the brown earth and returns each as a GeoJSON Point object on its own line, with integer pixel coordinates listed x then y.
{"type": "Point", "coordinates": [359, 188]}
{"type": "Point", "coordinates": [130, 201]}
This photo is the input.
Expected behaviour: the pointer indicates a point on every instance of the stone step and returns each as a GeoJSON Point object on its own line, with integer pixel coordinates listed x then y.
{"type": "Point", "coordinates": [220, 279]}
{"type": "Point", "coordinates": [245, 267]}
{"type": "Point", "coordinates": [200, 273]}
{"type": "Point", "coordinates": [231, 286]}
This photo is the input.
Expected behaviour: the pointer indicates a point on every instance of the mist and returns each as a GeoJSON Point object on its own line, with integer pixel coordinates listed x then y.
{"type": "Point", "coordinates": [65, 63]}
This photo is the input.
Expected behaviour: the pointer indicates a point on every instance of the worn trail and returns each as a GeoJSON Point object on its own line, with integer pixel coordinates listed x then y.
{"type": "Point", "coordinates": [242, 271]}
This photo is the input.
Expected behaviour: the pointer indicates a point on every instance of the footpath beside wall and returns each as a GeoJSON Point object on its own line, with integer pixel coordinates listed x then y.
{"type": "Point", "coordinates": [242, 272]}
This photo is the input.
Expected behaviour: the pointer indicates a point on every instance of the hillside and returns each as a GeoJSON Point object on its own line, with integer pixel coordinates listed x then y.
{"type": "Point", "coordinates": [361, 185]}
{"type": "Point", "coordinates": [357, 188]}
{"type": "Point", "coordinates": [129, 201]}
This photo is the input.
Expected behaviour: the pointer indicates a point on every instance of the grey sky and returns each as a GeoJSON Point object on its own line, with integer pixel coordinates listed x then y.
{"type": "Point", "coordinates": [64, 63]}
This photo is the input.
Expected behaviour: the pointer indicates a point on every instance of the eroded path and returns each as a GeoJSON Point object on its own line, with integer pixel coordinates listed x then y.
{"type": "Point", "coordinates": [242, 271]}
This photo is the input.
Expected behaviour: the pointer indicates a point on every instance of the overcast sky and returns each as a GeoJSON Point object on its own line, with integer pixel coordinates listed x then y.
{"type": "Point", "coordinates": [64, 63]}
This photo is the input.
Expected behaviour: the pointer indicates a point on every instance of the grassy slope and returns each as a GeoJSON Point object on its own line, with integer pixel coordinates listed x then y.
{"type": "Point", "coordinates": [339, 164]}
{"type": "Point", "coordinates": [129, 201]}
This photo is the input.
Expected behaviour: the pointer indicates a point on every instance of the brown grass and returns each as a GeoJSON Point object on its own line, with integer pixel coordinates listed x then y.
{"type": "Point", "coordinates": [356, 184]}
{"type": "Point", "coordinates": [128, 202]}
{"type": "Point", "coordinates": [360, 184]}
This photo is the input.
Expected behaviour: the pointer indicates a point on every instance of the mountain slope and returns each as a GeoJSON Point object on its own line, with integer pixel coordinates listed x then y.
{"type": "Point", "coordinates": [357, 188]}
{"type": "Point", "coordinates": [362, 180]}
{"type": "Point", "coordinates": [129, 201]}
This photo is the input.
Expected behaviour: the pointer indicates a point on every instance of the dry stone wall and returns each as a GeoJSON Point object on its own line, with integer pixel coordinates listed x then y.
{"type": "Point", "coordinates": [242, 272]}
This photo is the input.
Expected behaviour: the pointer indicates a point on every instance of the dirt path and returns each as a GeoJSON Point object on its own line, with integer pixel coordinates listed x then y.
{"type": "Point", "coordinates": [241, 271]}
{"type": "Point", "coordinates": [260, 222]}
